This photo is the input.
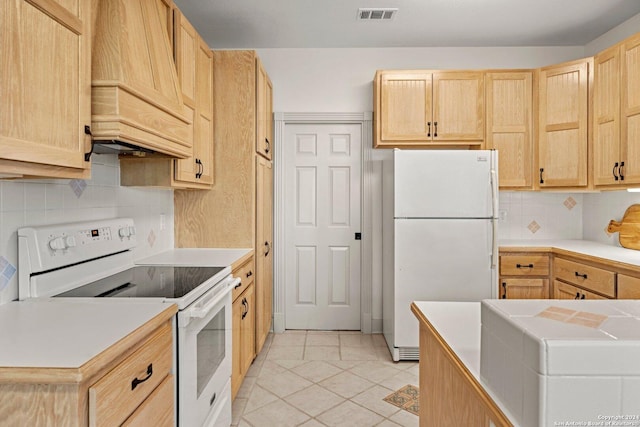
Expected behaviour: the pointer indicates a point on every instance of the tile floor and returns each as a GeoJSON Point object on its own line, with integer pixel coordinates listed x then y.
{"type": "Point", "coordinates": [323, 378]}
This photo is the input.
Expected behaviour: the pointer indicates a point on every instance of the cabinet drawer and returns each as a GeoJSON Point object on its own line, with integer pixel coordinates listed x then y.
{"type": "Point", "coordinates": [585, 276]}
{"type": "Point", "coordinates": [157, 409]}
{"type": "Point", "coordinates": [628, 287]}
{"type": "Point", "coordinates": [524, 265]}
{"type": "Point", "coordinates": [246, 272]}
{"type": "Point", "coordinates": [116, 395]}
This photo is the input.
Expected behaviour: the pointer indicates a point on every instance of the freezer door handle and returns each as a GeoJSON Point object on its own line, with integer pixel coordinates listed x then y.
{"type": "Point", "coordinates": [494, 218]}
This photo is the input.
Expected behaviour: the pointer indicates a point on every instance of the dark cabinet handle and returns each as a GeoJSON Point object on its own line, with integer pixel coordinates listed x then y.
{"type": "Point", "coordinates": [137, 381]}
{"type": "Point", "coordinates": [250, 273]}
{"type": "Point", "coordinates": [541, 180]}
{"type": "Point", "coordinates": [577, 295]}
{"type": "Point", "coordinates": [435, 129]}
{"type": "Point", "coordinates": [429, 129]}
{"type": "Point", "coordinates": [266, 245]}
{"type": "Point", "coordinates": [620, 171]}
{"type": "Point", "coordinates": [524, 266]}
{"type": "Point", "coordinates": [615, 175]}
{"type": "Point", "coordinates": [504, 287]}
{"type": "Point", "coordinates": [237, 286]}
{"type": "Point", "coordinates": [268, 147]}
{"type": "Point", "coordinates": [246, 307]}
{"type": "Point", "coordinates": [584, 276]}
{"type": "Point", "coordinates": [583, 296]}
{"type": "Point", "coordinates": [200, 169]}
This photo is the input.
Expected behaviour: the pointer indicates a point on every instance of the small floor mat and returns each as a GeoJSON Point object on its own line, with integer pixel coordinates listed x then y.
{"type": "Point", "coordinates": [405, 398]}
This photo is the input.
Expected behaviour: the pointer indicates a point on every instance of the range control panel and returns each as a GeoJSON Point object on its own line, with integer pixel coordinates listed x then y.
{"type": "Point", "coordinates": [56, 246]}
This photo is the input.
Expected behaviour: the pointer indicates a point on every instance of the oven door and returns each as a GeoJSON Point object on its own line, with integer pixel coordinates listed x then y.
{"type": "Point", "coordinates": [204, 358]}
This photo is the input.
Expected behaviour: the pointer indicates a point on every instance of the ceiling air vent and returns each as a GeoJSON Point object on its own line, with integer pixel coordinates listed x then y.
{"type": "Point", "coordinates": [377, 14]}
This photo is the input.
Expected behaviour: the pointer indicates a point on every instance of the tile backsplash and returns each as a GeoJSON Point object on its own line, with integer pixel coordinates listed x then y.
{"type": "Point", "coordinates": [37, 202]}
{"type": "Point", "coordinates": [600, 208]}
{"type": "Point", "coordinates": [536, 215]}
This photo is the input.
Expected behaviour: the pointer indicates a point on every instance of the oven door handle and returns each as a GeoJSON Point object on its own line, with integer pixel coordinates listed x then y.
{"type": "Point", "coordinates": [201, 312]}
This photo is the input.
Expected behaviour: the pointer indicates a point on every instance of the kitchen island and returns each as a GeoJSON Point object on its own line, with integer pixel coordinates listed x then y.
{"type": "Point", "coordinates": [451, 390]}
{"type": "Point", "coordinates": [529, 362]}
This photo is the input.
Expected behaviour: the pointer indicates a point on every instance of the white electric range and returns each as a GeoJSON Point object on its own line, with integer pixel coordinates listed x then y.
{"type": "Point", "coordinates": [94, 260]}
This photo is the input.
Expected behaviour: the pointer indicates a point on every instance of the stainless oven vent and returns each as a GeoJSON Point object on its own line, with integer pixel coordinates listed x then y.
{"type": "Point", "coordinates": [377, 13]}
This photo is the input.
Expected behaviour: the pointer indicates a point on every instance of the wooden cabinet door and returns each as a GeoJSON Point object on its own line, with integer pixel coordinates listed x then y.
{"type": "Point", "coordinates": [628, 287]}
{"type": "Point", "coordinates": [264, 137]}
{"type": "Point", "coordinates": [563, 114]}
{"type": "Point", "coordinates": [45, 87]}
{"type": "Point", "coordinates": [405, 108]}
{"type": "Point", "coordinates": [630, 110]}
{"type": "Point", "coordinates": [186, 49]}
{"type": "Point", "coordinates": [237, 310]}
{"type": "Point", "coordinates": [458, 106]}
{"type": "Point", "coordinates": [247, 330]}
{"type": "Point", "coordinates": [565, 291]}
{"type": "Point", "coordinates": [509, 126]}
{"type": "Point", "coordinates": [264, 250]}
{"type": "Point", "coordinates": [194, 62]}
{"type": "Point", "coordinates": [606, 118]}
{"type": "Point", "coordinates": [203, 120]}
{"type": "Point", "coordinates": [524, 288]}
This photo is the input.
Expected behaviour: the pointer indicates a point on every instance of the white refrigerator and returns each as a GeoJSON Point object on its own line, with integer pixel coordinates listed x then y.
{"type": "Point", "coordinates": [440, 218]}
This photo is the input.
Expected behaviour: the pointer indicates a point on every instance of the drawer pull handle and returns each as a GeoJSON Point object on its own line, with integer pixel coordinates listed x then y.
{"type": "Point", "coordinates": [584, 276]}
{"type": "Point", "coordinates": [577, 295]}
{"type": "Point", "coordinates": [524, 266]}
{"type": "Point", "coordinates": [583, 296]}
{"type": "Point", "coordinates": [504, 287]}
{"type": "Point", "coordinates": [137, 381]}
{"type": "Point", "coordinates": [250, 273]}
{"type": "Point", "coordinates": [238, 285]}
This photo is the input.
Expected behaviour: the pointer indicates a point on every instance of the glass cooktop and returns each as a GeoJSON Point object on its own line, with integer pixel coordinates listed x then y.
{"type": "Point", "coordinates": [147, 282]}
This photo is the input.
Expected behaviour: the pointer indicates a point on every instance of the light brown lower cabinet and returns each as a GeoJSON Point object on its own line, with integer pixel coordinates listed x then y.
{"type": "Point", "coordinates": [628, 287]}
{"type": "Point", "coordinates": [130, 383]}
{"type": "Point", "coordinates": [243, 337]}
{"type": "Point", "coordinates": [566, 291]}
{"type": "Point", "coordinates": [524, 288]}
{"type": "Point", "coordinates": [243, 323]}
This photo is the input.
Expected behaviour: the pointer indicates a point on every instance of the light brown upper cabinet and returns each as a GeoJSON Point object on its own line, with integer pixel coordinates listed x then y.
{"type": "Point", "coordinates": [616, 116]}
{"type": "Point", "coordinates": [630, 109]}
{"type": "Point", "coordinates": [264, 106]}
{"type": "Point", "coordinates": [509, 96]}
{"type": "Point", "coordinates": [425, 108]}
{"type": "Point", "coordinates": [194, 63]}
{"type": "Point", "coordinates": [135, 93]}
{"type": "Point", "coordinates": [562, 124]}
{"type": "Point", "coordinates": [45, 88]}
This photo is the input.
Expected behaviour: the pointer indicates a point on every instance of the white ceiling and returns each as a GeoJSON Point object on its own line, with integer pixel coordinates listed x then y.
{"type": "Point", "coordinates": [253, 24]}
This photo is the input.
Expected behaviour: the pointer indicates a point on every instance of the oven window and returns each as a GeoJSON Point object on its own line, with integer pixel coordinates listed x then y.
{"type": "Point", "coordinates": [211, 349]}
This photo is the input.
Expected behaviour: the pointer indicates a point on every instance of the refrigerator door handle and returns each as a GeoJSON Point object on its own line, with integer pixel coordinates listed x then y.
{"type": "Point", "coordinates": [494, 217]}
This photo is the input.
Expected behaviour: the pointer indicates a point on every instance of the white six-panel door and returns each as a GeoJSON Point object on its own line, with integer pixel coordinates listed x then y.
{"type": "Point", "coordinates": [322, 215]}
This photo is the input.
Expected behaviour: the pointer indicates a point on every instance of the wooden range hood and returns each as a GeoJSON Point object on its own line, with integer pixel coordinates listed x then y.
{"type": "Point", "coordinates": [135, 95]}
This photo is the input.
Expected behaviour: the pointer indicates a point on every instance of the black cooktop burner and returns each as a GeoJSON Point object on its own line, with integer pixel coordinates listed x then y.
{"type": "Point", "coordinates": [146, 282]}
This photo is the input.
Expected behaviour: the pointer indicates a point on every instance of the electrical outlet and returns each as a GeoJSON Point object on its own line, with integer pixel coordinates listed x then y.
{"type": "Point", "coordinates": [163, 222]}
{"type": "Point", "coordinates": [502, 214]}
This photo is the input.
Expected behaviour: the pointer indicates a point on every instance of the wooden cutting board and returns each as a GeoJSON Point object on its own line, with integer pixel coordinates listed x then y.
{"type": "Point", "coordinates": [628, 228]}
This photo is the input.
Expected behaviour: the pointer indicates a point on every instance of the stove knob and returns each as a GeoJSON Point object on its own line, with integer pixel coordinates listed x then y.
{"type": "Point", "coordinates": [57, 244]}
{"type": "Point", "coordinates": [70, 241]}
{"type": "Point", "coordinates": [132, 230]}
{"type": "Point", "coordinates": [124, 232]}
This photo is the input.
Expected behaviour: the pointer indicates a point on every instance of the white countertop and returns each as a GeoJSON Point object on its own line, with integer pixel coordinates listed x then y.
{"type": "Point", "coordinates": [584, 247]}
{"type": "Point", "coordinates": [67, 333]}
{"type": "Point", "coordinates": [196, 257]}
